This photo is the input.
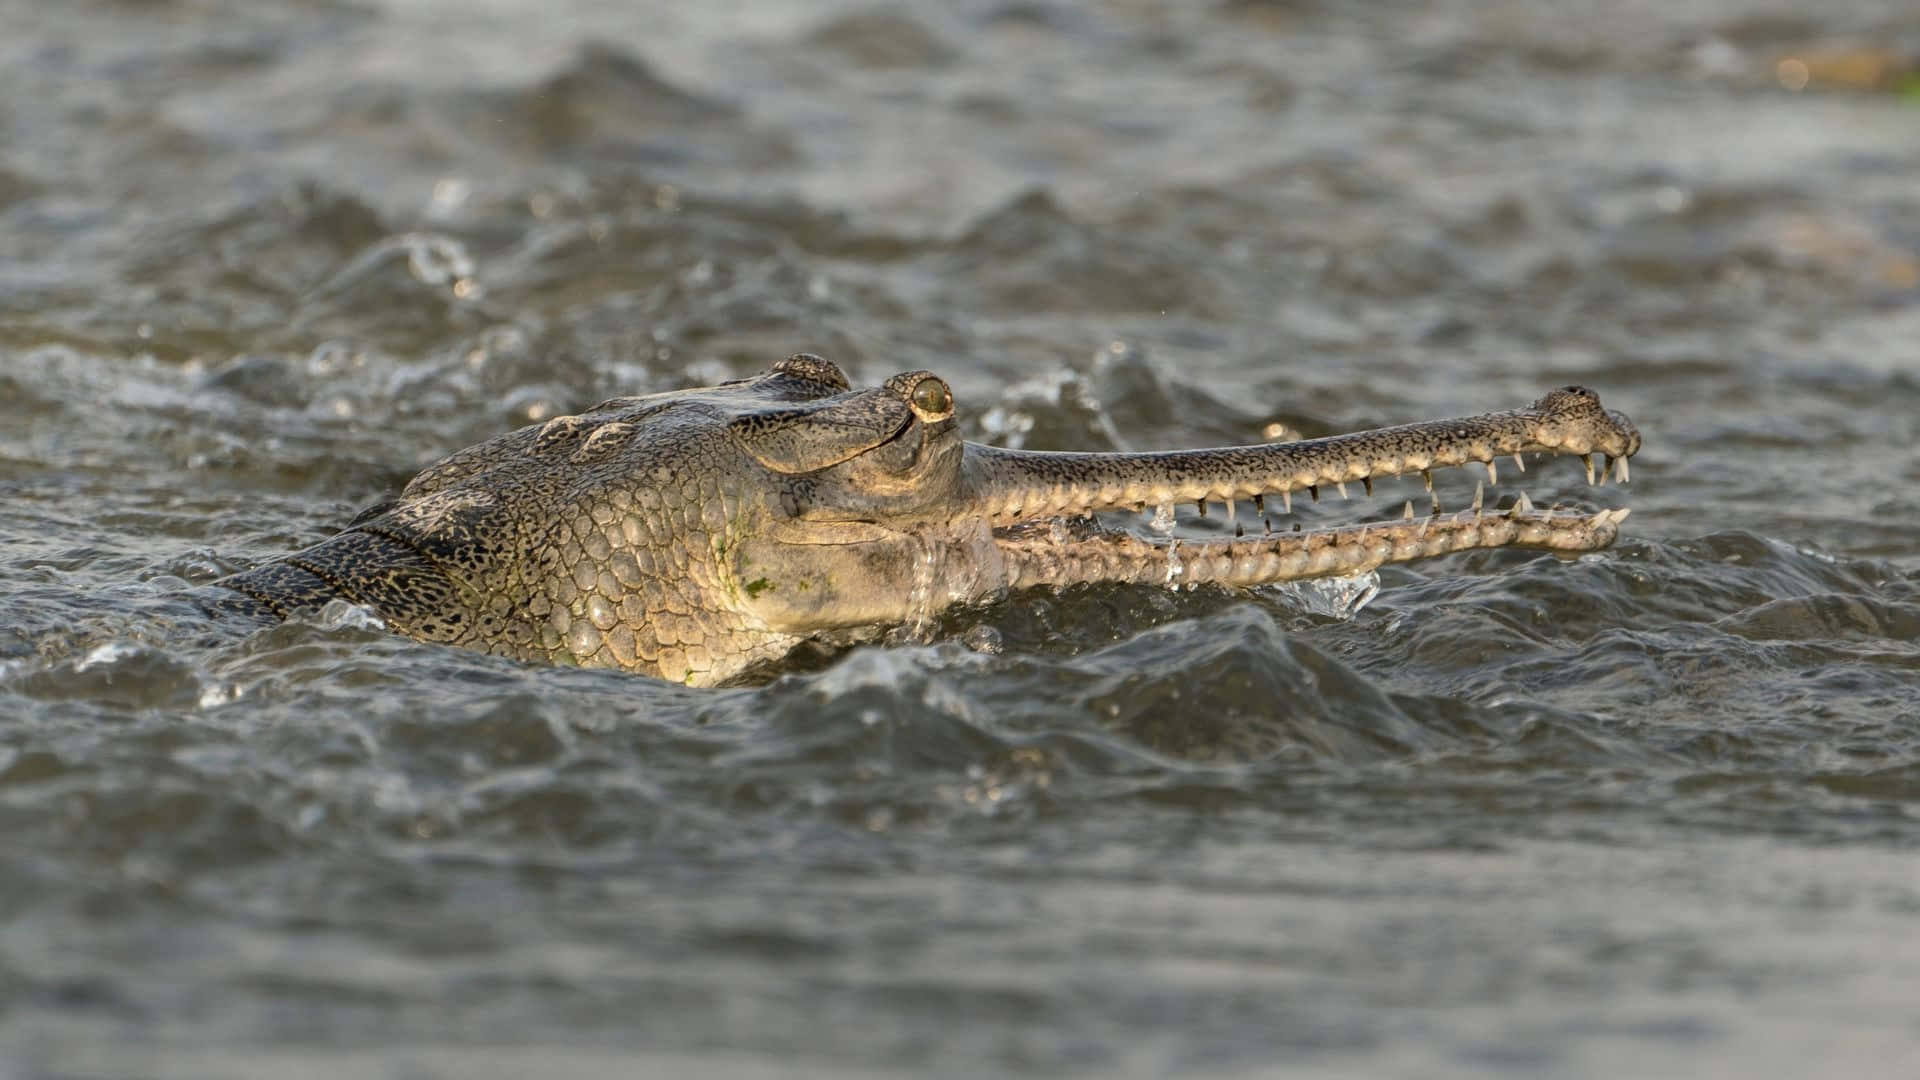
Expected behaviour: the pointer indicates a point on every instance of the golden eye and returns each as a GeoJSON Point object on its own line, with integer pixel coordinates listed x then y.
{"type": "Point", "coordinates": [932, 400]}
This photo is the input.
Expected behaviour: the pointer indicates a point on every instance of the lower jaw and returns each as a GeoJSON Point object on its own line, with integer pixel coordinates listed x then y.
{"type": "Point", "coordinates": [1034, 558]}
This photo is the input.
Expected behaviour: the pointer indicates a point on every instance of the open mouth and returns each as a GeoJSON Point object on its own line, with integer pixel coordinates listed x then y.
{"type": "Point", "coordinates": [1038, 491]}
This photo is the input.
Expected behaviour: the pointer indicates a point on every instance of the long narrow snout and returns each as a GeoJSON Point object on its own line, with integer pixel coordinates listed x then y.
{"type": "Point", "coordinates": [1011, 487]}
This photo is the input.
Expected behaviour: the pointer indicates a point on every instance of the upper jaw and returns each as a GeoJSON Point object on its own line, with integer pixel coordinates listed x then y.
{"type": "Point", "coordinates": [1009, 486]}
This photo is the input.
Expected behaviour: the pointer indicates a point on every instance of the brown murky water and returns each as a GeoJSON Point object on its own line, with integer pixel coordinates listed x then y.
{"type": "Point", "coordinates": [1651, 812]}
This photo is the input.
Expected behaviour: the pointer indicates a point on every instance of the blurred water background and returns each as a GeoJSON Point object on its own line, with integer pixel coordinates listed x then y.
{"type": "Point", "coordinates": [1649, 812]}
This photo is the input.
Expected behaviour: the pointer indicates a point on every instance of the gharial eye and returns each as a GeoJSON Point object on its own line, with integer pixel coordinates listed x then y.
{"type": "Point", "coordinates": [932, 400]}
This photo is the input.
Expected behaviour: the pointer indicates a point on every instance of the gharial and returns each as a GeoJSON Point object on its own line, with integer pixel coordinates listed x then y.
{"type": "Point", "coordinates": [695, 534]}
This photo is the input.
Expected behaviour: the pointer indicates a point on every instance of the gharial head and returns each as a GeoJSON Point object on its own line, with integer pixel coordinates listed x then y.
{"type": "Point", "coordinates": [696, 533]}
{"type": "Point", "coordinates": [687, 534]}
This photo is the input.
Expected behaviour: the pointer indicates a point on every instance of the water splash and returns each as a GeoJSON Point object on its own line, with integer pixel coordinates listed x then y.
{"type": "Point", "coordinates": [1162, 522]}
{"type": "Point", "coordinates": [1332, 598]}
{"type": "Point", "coordinates": [113, 652]}
{"type": "Point", "coordinates": [922, 607]}
{"type": "Point", "coordinates": [343, 615]}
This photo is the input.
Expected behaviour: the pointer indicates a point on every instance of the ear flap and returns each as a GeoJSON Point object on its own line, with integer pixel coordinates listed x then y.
{"type": "Point", "coordinates": [805, 438]}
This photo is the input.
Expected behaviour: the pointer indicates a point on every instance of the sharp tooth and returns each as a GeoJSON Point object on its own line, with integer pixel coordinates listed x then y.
{"type": "Point", "coordinates": [1620, 515]}
{"type": "Point", "coordinates": [1286, 502]}
{"type": "Point", "coordinates": [1425, 524]}
{"type": "Point", "coordinates": [1259, 504]}
{"type": "Point", "coordinates": [1588, 462]}
{"type": "Point", "coordinates": [1523, 505]}
{"type": "Point", "coordinates": [1493, 473]}
{"type": "Point", "coordinates": [1606, 470]}
{"type": "Point", "coordinates": [1479, 494]}
{"type": "Point", "coordinates": [1342, 486]}
{"type": "Point", "coordinates": [1366, 482]}
{"type": "Point", "coordinates": [1233, 510]}
{"type": "Point", "coordinates": [1620, 469]}
{"type": "Point", "coordinates": [1426, 475]}
{"type": "Point", "coordinates": [1519, 463]}
{"type": "Point", "coordinates": [1407, 514]}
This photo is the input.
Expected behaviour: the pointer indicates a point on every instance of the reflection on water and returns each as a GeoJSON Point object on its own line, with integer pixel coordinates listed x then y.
{"type": "Point", "coordinates": [1642, 811]}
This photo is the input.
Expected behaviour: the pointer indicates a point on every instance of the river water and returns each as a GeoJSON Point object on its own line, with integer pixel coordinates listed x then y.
{"type": "Point", "coordinates": [1652, 811]}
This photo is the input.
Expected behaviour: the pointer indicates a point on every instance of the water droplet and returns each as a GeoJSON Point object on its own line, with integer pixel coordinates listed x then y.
{"type": "Point", "coordinates": [328, 359]}
{"type": "Point", "coordinates": [984, 639]}
{"type": "Point", "coordinates": [1793, 73]}
{"type": "Point", "coordinates": [437, 260]}
{"type": "Point", "coordinates": [449, 194]}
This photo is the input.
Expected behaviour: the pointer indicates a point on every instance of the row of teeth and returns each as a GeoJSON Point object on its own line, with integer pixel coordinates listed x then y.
{"type": "Point", "coordinates": [1163, 515]}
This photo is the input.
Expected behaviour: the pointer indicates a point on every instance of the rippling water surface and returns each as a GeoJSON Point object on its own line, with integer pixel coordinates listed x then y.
{"type": "Point", "coordinates": [1652, 811]}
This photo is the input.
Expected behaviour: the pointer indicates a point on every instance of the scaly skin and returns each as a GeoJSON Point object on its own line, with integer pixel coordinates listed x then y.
{"type": "Point", "coordinates": [692, 535]}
